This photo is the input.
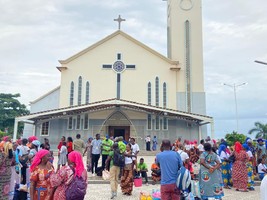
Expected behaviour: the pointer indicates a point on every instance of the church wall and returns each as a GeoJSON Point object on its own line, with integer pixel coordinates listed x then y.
{"type": "Point", "coordinates": [133, 81]}
{"type": "Point", "coordinates": [176, 23]}
{"type": "Point", "coordinates": [199, 103]}
{"type": "Point", "coordinates": [48, 102]}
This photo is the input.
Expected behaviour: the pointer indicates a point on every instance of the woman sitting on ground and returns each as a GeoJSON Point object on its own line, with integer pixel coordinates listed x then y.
{"type": "Point", "coordinates": [156, 173]}
{"type": "Point", "coordinates": [66, 174]}
{"type": "Point", "coordinates": [41, 170]}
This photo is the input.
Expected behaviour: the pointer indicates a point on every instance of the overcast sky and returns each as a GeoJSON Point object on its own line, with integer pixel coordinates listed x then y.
{"type": "Point", "coordinates": [35, 34]}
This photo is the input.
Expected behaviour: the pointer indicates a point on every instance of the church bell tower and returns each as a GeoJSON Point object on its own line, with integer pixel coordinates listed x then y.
{"type": "Point", "coordinates": [184, 29]}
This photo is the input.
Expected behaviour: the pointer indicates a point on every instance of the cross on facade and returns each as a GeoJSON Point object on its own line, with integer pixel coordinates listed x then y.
{"type": "Point", "coordinates": [119, 20]}
{"type": "Point", "coordinates": [118, 67]}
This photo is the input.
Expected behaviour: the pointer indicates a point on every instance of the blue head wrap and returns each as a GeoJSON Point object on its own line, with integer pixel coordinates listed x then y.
{"type": "Point", "coordinates": [107, 136]}
{"type": "Point", "coordinates": [245, 146]}
{"type": "Point", "coordinates": [259, 140]}
{"type": "Point", "coordinates": [222, 147]}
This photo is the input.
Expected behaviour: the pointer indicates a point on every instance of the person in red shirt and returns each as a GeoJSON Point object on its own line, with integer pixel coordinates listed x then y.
{"type": "Point", "coordinates": [69, 144]}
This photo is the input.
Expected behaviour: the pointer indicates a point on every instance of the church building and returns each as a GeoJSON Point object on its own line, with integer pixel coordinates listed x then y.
{"type": "Point", "coordinates": [121, 87]}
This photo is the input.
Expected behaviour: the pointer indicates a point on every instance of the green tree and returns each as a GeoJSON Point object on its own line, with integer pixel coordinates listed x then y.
{"type": "Point", "coordinates": [10, 107]}
{"type": "Point", "coordinates": [231, 138]}
{"type": "Point", "coordinates": [260, 130]}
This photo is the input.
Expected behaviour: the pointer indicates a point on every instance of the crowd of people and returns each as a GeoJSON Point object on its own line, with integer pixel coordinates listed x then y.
{"type": "Point", "coordinates": [27, 169]}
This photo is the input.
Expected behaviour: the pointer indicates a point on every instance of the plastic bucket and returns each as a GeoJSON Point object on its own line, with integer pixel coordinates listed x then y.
{"type": "Point", "coordinates": [138, 182]}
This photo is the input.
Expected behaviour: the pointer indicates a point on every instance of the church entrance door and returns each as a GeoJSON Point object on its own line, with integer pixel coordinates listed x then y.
{"type": "Point", "coordinates": [117, 131]}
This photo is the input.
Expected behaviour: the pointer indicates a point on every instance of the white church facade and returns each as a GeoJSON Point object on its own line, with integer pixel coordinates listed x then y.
{"type": "Point", "coordinates": [121, 87]}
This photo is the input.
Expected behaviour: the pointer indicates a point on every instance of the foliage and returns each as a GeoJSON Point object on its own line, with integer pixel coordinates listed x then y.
{"type": "Point", "coordinates": [231, 138]}
{"type": "Point", "coordinates": [10, 107]}
{"type": "Point", "coordinates": [260, 129]}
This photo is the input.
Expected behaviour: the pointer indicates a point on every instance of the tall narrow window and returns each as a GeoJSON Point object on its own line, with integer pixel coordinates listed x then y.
{"type": "Point", "coordinates": [164, 95]}
{"type": "Point", "coordinates": [157, 91]}
{"type": "Point", "coordinates": [45, 129]}
{"type": "Point", "coordinates": [149, 122]}
{"type": "Point", "coordinates": [149, 93]}
{"type": "Point", "coordinates": [165, 123]}
{"type": "Point", "coordinates": [78, 122]}
{"type": "Point", "coordinates": [70, 122]}
{"type": "Point", "coordinates": [157, 123]}
{"type": "Point", "coordinates": [80, 91]}
{"type": "Point", "coordinates": [71, 93]}
{"type": "Point", "coordinates": [86, 121]}
{"type": "Point", "coordinates": [87, 93]}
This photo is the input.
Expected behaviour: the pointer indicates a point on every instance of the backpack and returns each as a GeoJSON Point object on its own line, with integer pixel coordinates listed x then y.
{"type": "Point", "coordinates": [184, 179]}
{"type": "Point", "coordinates": [118, 159]}
{"type": "Point", "coordinates": [76, 190]}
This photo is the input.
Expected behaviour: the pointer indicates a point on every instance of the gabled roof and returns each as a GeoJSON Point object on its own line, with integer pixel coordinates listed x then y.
{"type": "Point", "coordinates": [118, 32]}
{"type": "Point", "coordinates": [46, 94]}
{"type": "Point", "coordinates": [115, 103]}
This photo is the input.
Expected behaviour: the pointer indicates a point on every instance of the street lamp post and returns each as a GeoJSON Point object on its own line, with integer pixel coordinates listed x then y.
{"type": "Point", "coordinates": [260, 62]}
{"type": "Point", "coordinates": [234, 86]}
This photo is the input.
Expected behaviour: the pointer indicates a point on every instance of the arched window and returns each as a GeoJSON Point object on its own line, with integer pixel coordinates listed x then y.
{"type": "Point", "coordinates": [149, 93]}
{"type": "Point", "coordinates": [80, 91]}
{"type": "Point", "coordinates": [149, 122]}
{"type": "Point", "coordinates": [87, 93]}
{"type": "Point", "coordinates": [71, 93]}
{"type": "Point", "coordinates": [164, 95]}
{"type": "Point", "coordinates": [157, 91]}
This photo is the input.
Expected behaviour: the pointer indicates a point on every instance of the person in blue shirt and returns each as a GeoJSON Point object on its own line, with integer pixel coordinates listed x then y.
{"type": "Point", "coordinates": [169, 162]}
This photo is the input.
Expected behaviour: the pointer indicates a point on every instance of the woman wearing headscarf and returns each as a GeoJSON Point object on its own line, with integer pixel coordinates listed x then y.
{"type": "Point", "coordinates": [249, 167]}
{"type": "Point", "coordinates": [65, 175]}
{"type": "Point", "coordinates": [34, 149]}
{"type": "Point", "coordinates": [226, 166]}
{"type": "Point", "coordinates": [210, 180]}
{"type": "Point", "coordinates": [239, 170]}
{"type": "Point", "coordinates": [41, 169]}
{"type": "Point", "coordinates": [6, 155]}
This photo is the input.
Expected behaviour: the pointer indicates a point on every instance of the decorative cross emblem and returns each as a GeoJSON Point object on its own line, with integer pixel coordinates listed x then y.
{"type": "Point", "coordinates": [118, 68]}
{"type": "Point", "coordinates": [119, 20]}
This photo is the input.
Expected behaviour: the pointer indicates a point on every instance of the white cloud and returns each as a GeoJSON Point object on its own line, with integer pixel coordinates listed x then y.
{"type": "Point", "coordinates": [36, 34]}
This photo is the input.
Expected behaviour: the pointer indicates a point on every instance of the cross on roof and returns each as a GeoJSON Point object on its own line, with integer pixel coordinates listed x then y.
{"type": "Point", "coordinates": [119, 20]}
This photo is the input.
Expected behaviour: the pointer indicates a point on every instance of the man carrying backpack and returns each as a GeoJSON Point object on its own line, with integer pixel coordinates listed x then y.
{"type": "Point", "coordinates": [169, 162]}
{"type": "Point", "coordinates": [116, 160]}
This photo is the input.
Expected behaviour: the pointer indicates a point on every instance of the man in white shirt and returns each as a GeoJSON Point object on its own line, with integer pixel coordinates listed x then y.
{"type": "Point", "coordinates": [201, 146]}
{"type": "Point", "coordinates": [184, 155]}
{"type": "Point", "coordinates": [148, 142]}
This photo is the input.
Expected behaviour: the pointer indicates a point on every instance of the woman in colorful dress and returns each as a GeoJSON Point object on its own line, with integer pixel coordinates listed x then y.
{"type": "Point", "coordinates": [210, 180]}
{"type": "Point", "coordinates": [226, 166]}
{"type": "Point", "coordinates": [155, 142]}
{"type": "Point", "coordinates": [6, 155]}
{"type": "Point", "coordinates": [249, 167]}
{"type": "Point", "coordinates": [88, 149]}
{"type": "Point", "coordinates": [65, 175]}
{"type": "Point", "coordinates": [41, 170]}
{"type": "Point", "coordinates": [239, 169]}
{"type": "Point", "coordinates": [127, 173]}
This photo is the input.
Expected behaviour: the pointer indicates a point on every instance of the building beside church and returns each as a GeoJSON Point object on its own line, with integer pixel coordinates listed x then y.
{"type": "Point", "coordinates": [121, 87]}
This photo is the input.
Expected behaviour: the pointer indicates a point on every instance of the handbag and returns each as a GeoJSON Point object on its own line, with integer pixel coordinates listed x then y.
{"type": "Point", "coordinates": [106, 175]}
{"type": "Point", "coordinates": [232, 158]}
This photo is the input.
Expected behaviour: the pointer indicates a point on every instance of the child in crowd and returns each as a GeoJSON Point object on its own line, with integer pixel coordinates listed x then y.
{"type": "Point", "coordinates": [262, 169]}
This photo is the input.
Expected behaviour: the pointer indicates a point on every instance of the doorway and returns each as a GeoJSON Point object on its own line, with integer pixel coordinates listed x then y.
{"type": "Point", "coordinates": [117, 131]}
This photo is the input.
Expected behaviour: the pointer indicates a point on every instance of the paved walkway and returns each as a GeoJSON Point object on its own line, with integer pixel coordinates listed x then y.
{"type": "Point", "coordinates": [100, 191]}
